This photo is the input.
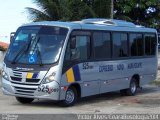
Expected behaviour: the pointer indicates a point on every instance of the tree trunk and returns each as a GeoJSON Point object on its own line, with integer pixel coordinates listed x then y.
{"type": "Point", "coordinates": [112, 9]}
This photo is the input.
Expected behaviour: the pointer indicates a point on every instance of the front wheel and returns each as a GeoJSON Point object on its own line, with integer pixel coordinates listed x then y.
{"type": "Point", "coordinates": [70, 97]}
{"type": "Point", "coordinates": [24, 100]}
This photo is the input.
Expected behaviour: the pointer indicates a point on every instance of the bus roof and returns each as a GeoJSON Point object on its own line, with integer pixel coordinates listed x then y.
{"type": "Point", "coordinates": [97, 24]}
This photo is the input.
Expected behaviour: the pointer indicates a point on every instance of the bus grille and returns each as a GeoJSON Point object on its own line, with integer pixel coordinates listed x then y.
{"type": "Point", "coordinates": [17, 77]}
{"type": "Point", "coordinates": [32, 80]}
{"type": "Point", "coordinates": [25, 91]}
{"type": "Point", "coordinates": [22, 85]}
{"type": "Point", "coordinates": [17, 74]}
{"type": "Point", "coordinates": [27, 80]}
{"type": "Point", "coordinates": [32, 84]}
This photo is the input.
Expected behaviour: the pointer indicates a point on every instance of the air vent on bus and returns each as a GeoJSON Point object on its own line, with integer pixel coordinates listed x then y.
{"type": "Point", "coordinates": [112, 22]}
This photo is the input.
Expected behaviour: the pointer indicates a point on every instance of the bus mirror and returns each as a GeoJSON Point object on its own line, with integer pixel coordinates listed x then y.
{"type": "Point", "coordinates": [12, 35]}
{"type": "Point", "coordinates": [73, 43]}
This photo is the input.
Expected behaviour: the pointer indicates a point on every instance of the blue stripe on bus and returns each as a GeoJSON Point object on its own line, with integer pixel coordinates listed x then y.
{"type": "Point", "coordinates": [35, 75]}
{"type": "Point", "coordinates": [76, 73]}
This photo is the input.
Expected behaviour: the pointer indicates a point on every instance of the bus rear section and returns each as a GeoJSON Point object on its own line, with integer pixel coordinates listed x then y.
{"type": "Point", "coordinates": [106, 59]}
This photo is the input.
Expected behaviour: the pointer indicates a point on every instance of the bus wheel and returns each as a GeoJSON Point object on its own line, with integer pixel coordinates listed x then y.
{"type": "Point", "coordinates": [24, 100]}
{"type": "Point", "coordinates": [132, 88]}
{"type": "Point", "coordinates": [71, 97]}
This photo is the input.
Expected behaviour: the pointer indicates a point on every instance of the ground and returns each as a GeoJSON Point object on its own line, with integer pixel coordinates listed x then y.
{"type": "Point", "coordinates": [147, 100]}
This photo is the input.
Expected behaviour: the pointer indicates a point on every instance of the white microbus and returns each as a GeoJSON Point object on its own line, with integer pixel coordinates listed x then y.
{"type": "Point", "coordinates": [65, 61]}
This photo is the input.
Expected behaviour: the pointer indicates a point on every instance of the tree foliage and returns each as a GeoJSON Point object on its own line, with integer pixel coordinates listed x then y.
{"type": "Point", "coordinates": [60, 10]}
{"type": "Point", "coordinates": [49, 10]}
{"type": "Point", "coordinates": [102, 8]}
{"type": "Point", "coordinates": [78, 10]}
{"type": "Point", "coordinates": [144, 12]}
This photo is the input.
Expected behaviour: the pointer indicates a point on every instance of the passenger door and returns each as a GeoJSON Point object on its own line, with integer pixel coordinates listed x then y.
{"type": "Point", "coordinates": [91, 83]}
{"type": "Point", "coordinates": [79, 57]}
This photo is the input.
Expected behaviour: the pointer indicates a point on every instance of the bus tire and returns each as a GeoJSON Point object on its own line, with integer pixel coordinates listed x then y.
{"type": "Point", "coordinates": [131, 91]}
{"type": "Point", "coordinates": [70, 97]}
{"type": "Point", "coordinates": [24, 100]}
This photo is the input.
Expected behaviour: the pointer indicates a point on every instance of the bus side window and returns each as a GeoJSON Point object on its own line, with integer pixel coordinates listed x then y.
{"type": "Point", "coordinates": [136, 44]}
{"type": "Point", "coordinates": [81, 51]}
{"type": "Point", "coordinates": [82, 47]}
{"type": "Point", "coordinates": [74, 50]}
{"type": "Point", "coordinates": [120, 45]}
{"type": "Point", "coordinates": [150, 44]}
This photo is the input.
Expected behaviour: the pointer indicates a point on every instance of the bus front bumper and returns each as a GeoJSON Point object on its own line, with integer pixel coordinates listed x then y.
{"type": "Point", "coordinates": [44, 91]}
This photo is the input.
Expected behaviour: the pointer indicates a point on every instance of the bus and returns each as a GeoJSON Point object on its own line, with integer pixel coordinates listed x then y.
{"type": "Point", "coordinates": [158, 42]}
{"type": "Point", "coordinates": [64, 61]}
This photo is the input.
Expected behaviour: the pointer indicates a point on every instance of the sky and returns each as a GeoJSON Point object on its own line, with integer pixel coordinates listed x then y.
{"type": "Point", "coordinates": [13, 15]}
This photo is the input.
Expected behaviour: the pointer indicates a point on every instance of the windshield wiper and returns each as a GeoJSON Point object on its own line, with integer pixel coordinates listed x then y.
{"type": "Point", "coordinates": [40, 57]}
{"type": "Point", "coordinates": [39, 53]}
{"type": "Point", "coordinates": [24, 48]}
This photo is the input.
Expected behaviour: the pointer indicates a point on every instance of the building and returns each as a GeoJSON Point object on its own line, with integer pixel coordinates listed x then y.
{"type": "Point", "coordinates": [3, 48]}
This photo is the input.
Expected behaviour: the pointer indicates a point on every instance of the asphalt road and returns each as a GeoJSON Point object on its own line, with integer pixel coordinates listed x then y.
{"type": "Point", "coordinates": [147, 100]}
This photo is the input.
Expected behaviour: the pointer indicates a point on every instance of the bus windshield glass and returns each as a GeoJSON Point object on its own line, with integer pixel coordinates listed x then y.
{"type": "Point", "coordinates": [36, 45]}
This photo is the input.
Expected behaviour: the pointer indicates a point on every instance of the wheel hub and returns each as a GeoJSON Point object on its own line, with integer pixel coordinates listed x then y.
{"type": "Point", "coordinates": [69, 96]}
{"type": "Point", "coordinates": [133, 87]}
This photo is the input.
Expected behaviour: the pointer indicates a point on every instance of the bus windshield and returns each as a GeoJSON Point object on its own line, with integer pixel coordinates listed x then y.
{"type": "Point", "coordinates": [36, 45]}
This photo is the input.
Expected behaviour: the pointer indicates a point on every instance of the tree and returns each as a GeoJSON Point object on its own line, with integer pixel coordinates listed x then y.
{"type": "Point", "coordinates": [60, 10]}
{"type": "Point", "coordinates": [49, 10]}
{"type": "Point", "coordinates": [79, 10]}
{"type": "Point", "coordinates": [112, 9]}
{"type": "Point", "coordinates": [102, 8]}
{"type": "Point", "coordinates": [144, 12]}
{"type": "Point", "coordinates": [45, 5]}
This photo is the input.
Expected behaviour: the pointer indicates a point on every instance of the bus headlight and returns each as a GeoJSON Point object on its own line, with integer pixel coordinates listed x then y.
{"type": "Point", "coordinates": [50, 78]}
{"type": "Point", "coordinates": [4, 75]}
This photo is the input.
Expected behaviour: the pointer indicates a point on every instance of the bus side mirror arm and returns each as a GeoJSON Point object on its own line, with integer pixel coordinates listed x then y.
{"type": "Point", "coordinates": [12, 35]}
{"type": "Point", "coordinates": [73, 43]}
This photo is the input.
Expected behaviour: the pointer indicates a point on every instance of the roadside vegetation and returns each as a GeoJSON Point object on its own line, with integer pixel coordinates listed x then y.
{"type": "Point", "coordinates": [156, 82]}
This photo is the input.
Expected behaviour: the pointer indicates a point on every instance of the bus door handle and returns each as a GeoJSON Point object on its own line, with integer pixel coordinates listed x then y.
{"type": "Point", "coordinates": [105, 82]}
{"type": "Point", "coordinates": [86, 84]}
